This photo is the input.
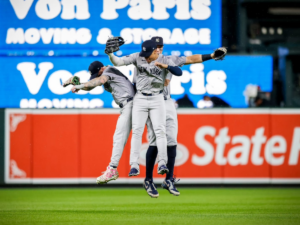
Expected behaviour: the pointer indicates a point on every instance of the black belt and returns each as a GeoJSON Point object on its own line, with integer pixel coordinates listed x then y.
{"type": "Point", "coordinates": [128, 100]}
{"type": "Point", "coordinates": [150, 94]}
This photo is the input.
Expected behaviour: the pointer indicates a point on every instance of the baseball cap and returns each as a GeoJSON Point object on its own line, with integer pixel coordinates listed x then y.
{"type": "Point", "coordinates": [94, 69]}
{"type": "Point", "coordinates": [158, 40]}
{"type": "Point", "coordinates": [147, 48]}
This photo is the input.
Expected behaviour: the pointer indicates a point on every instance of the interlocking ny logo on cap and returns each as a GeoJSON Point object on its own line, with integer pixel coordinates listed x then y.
{"type": "Point", "coordinates": [157, 39]}
{"type": "Point", "coordinates": [144, 49]}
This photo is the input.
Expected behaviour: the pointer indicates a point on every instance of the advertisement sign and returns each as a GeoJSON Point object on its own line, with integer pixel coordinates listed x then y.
{"type": "Point", "coordinates": [214, 146]}
{"type": "Point", "coordinates": [58, 27]}
{"type": "Point", "coordinates": [36, 82]}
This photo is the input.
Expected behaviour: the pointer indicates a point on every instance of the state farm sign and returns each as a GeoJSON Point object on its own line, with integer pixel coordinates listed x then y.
{"type": "Point", "coordinates": [214, 146]}
{"type": "Point", "coordinates": [240, 154]}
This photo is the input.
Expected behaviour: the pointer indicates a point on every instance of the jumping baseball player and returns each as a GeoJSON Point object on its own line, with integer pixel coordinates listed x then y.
{"type": "Point", "coordinates": [171, 121]}
{"type": "Point", "coordinates": [152, 69]}
{"type": "Point", "coordinates": [123, 92]}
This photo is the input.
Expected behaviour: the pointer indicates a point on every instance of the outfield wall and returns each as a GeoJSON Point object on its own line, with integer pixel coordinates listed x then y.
{"type": "Point", "coordinates": [214, 146]}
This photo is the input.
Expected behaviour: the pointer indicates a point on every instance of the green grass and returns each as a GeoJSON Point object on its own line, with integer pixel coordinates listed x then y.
{"type": "Point", "coordinates": [133, 206]}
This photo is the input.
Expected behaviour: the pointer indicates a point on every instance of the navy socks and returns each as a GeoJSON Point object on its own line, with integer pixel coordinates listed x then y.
{"type": "Point", "coordinates": [171, 161]}
{"type": "Point", "coordinates": [150, 161]}
{"type": "Point", "coordinates": [151, 157]}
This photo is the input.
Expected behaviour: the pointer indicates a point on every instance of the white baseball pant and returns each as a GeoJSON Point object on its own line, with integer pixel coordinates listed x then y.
{"type": "Point", "coordinates": [171, 125]}
{"type": "Point", "coordinates": [154, 108]}
{"type": "Point", "coordinates": [121, 133]}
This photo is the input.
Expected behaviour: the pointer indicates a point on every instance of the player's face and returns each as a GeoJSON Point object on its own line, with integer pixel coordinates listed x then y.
{"type": "Point", "coordinates": [101, 70]}
{"type": "Point", "coordinates": [160, 48]}
{"type": "Point", "coordinates": [153, 56]}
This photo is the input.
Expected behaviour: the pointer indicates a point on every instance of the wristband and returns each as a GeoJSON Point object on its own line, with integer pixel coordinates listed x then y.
{"type": "Point", "coordinates": [206, 57]}
{"type": "Point", "coordinates": [175, 70]}
{"type": "Point", "coordinates": [79, 86]}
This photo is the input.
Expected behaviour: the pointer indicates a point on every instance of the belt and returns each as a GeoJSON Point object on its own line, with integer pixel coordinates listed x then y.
{"type": "Point", "coordinates": [125, 102]}
{"type": "Point", "coordinates": [152, 94]}
{"type": "Point", "coordinates": [166, 97]}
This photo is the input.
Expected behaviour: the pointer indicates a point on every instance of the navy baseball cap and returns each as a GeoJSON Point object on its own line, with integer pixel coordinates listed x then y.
{"type": "Point", "coordinates": [147, 48]}
{"type": "Point", "coordinates": [158, 40]}
{"type": "Point", "coordinates": [94, 69]}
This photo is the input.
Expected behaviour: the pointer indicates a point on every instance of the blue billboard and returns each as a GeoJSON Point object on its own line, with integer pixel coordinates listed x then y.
{"type": "Point", "coordinates": [36, 82]}
{"type": "Point", "coordinates": [81, 27]}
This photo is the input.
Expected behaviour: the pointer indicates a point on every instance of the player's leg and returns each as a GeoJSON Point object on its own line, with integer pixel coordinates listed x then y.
{"type": "Point", "coordinates": [157, 115]}
{"type": "Point", "coordinates": [121, 134]}
{"type": "Point", "coordinates": [150, 133]}
{"type": "Point", "coordinates": [172, 131]}
{"type": "Point", "coordinates": [151, 152]}
{"type": "Point", "coordinates": [139, 117]}
{"type": "Point", "coordinates": [150, 162]}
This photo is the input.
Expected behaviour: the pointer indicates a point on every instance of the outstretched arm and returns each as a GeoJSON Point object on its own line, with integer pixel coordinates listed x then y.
{"type": "Point", "coordinates": [121, 61]}
{"type": "Point", "coordinates": [90, 84]}
{"type": "Point", "coordinates": [115, 60]}
{"type": "Point", "coordinates": [198, 58]}
{"type": "Point", "coordinates": [218, 54]}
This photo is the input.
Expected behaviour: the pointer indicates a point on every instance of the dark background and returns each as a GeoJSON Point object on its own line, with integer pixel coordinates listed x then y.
{"type": "Point", "coordinates": [267, 27]}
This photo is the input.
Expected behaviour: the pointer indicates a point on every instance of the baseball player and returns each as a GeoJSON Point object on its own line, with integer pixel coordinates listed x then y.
{"type": "Point", "coordinates": [152, 69]}
{"type": "Point", "coordinates": [123, 92]}
{"type": "Point", "coordinates": [171, 121]}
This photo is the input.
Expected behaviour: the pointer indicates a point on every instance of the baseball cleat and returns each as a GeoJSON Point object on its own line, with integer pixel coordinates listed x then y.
{"type": "Point", "coordinates": [150, 188]}
{"type": "Point", "coordinates": [110, 174]}
{"type": "Point", "coordinates": [170, 186]}
{"type": "Point", "coordinates": [162, 170]}
{"type": "Point", "coordinates": [134, 172]}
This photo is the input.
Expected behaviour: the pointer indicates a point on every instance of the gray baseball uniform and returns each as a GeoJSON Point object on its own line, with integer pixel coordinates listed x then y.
{"type": "Point", "coordinates": [149, 80]}
{"type": "Point", "coordinates": [122, 90]}
{"type": "Point", "coordinates": [171, 115]}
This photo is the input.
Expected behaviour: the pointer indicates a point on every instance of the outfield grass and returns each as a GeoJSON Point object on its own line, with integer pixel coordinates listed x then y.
{"type": "Point", "coordinates": [133, 206]}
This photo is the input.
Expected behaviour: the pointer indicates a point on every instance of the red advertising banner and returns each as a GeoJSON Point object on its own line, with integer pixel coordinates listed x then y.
{"type": "Point", "coordinates": [214, 146]}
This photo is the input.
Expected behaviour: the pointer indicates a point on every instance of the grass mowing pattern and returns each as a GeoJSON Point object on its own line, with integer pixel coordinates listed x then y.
{"type": "Point", "coordinates": [133, 206]}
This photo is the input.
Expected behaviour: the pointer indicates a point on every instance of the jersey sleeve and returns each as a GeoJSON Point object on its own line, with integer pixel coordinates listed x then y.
{"type": "Point", "coordinates": [130, 59]}
{"type": "Point", "coordinates": [178, 61]}
{"type": "Point", "coordinates": [107, 72]}
{"type": "Point", "coordinates": [169, 61]}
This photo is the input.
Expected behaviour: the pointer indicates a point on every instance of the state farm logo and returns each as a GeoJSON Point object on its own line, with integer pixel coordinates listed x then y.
{"type": "Point", "coordinates": [245, 150]}
{"type": "Point", "coordinates": [274, 151]}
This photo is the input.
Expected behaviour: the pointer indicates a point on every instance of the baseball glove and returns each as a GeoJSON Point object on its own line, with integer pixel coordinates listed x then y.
{"type": "Point", "coordinates": [113, 44]}
{"type": "Point", "coordinates": [72, 80]}
{"type": "Point", "coordinates": [220, 53]}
